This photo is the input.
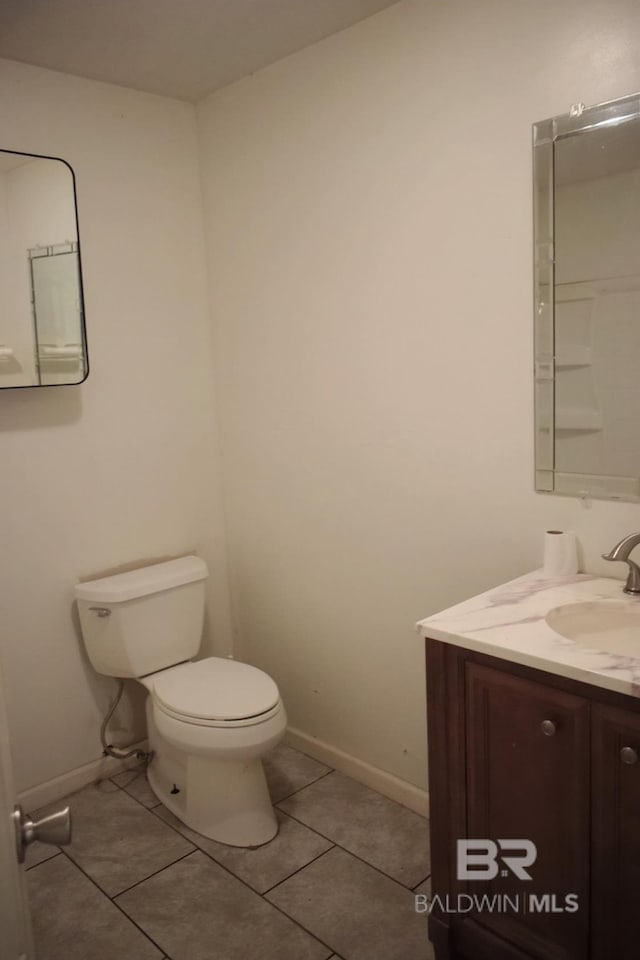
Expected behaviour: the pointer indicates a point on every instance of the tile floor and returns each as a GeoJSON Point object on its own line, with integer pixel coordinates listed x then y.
{"type": "Point", "coordinates": [136, 884]}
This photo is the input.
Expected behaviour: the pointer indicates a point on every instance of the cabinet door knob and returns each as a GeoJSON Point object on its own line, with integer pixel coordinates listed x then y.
{"type": "Point", "coordinates": [628, 755]}
{"type": "Point", "coordinates": [548, 727]}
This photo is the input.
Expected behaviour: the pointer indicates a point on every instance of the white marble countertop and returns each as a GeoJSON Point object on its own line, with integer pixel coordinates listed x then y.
{"type": "Point", "coordinates": [508, 622]}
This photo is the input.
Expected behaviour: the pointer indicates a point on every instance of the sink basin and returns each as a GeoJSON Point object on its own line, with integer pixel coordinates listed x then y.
{"type": "Point", "coordinates": [612, 626]}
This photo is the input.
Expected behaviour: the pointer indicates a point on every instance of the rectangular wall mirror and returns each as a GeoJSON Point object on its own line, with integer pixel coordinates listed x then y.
{"type": "Point", "coordinates": [42, 329]}
{"type": "Point", "coordinates": [586, 167]}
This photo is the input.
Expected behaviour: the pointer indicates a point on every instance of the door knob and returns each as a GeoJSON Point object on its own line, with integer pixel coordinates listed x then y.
{"type": "Point", "coordinates": [54, 828]}
{"type": "Point", "coordinates": [628, 755]}
{"type": "Point", "coordinates": [548, 727]}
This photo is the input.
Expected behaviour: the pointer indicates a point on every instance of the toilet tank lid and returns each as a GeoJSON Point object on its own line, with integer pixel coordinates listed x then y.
{"type": "Point", "coordinates": [142, 581]}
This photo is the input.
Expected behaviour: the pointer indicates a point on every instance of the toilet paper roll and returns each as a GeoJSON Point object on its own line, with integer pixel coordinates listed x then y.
{"type": "Point", "coordinates": [560, 553]}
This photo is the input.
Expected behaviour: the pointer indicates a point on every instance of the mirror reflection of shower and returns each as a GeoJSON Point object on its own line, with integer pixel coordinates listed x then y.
{"type": "Point", "coordinates": [587, 283]}
{"type": "Point", "coordinates": [57, 313]}
{"type": "Point", "coordinates": [42, 329]}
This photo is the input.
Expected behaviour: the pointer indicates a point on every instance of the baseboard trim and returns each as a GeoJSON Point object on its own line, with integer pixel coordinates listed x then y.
{"type": "Point", "coordinates": [385, 783]}
{"type": "Point", "coordinates": [73, 780]}
{"type": "Point", "coordinates": [104, 767]}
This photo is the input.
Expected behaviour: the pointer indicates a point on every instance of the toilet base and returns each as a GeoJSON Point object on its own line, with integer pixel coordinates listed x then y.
{"type": "Point", "coordinates": [224, 800]}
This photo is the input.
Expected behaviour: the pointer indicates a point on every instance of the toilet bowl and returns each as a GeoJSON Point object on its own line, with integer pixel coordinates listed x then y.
{"type": "Point", "coordinates": [213, 748]}
{"type": "Point", "coordinates": [209, 721]}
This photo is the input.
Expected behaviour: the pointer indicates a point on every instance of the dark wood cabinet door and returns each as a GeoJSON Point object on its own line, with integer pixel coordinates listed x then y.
{"type": "Point", "coordinates": [527, 770]}
{"type": "Point", "coordinates": [615, 909]}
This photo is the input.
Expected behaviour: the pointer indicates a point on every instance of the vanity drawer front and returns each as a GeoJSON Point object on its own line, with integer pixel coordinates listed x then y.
{"type": "Point", "coordinates": [615, 833]}
{"type": "Point", "coordinates": [527, 769]}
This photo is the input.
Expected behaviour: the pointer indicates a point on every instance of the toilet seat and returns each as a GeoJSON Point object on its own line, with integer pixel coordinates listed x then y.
{"type": "Point", "coordinates": [215, 692]}
{"type": "Point", "coordinates": [227, 724]}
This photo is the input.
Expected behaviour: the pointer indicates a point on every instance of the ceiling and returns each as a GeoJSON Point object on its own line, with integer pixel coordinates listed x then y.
{"type": "Point", "coordinates": [176, 48]}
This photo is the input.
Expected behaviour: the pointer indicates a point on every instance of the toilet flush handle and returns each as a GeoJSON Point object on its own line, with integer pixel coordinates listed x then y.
{"type": "Point", "coordinates": [101, 611]}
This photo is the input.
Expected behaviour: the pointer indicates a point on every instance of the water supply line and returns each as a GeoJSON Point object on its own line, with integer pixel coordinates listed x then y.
{"type": "Point", "coordinates": [119, 753]}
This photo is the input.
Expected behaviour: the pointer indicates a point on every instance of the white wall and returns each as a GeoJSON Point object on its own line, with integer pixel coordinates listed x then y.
{"type": "Point", "coordinates": [368, 204]}
{"type": "Point", "coordinates": [124, 467]}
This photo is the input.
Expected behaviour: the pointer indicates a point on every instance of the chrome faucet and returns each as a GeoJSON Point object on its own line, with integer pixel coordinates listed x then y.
{"type": "Point", "coordinates": [621, 551]}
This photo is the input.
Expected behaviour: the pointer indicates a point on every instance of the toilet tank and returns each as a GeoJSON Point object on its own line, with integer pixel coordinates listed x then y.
{"type": "Point", "coordinates": [144, 620]}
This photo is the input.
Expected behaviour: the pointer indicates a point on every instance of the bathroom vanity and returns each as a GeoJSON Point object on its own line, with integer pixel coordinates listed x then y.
{"type": "Point", "coordinates": [534, 737]}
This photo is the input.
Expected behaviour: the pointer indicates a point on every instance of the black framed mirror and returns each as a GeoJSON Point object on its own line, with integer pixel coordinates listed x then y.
{"type": "Point", "coordinates": [42, 319]}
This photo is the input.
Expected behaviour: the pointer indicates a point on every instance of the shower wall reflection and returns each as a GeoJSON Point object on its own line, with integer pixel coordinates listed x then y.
{"type": "Point", "coordinates": [587, 300]}
{"type": "Point", "coordinates": [597, 301]}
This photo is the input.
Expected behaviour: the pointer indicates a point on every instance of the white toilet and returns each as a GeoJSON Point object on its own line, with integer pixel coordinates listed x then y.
{"type": "Point", "coordinates": [209, 721]}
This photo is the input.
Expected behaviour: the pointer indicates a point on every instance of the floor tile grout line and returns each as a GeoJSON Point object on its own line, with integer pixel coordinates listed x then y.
{"type": "Point", "coordinates": [302, 823]}
{"type": "Point", "coordinates": [309, 784]}
{"type": "Point", "coordinates": [275, 806]}
{"type": "Point", "coordinates": [274, 905]}
{"type": "Point", "coordinates": [108, 896]}
{"type": "Point", "coordinates": [45, 860]}
{"type": "Point", "coordinates": [262, 895]}
{"type": "Point", "coordinates": [221, 864]}
{"type": "Point", "coordinates": [306, 825]}
{"type": "Point", "coordinates": [297, 922]}
{"type": "Point", "coordinates": [156, 872]}
{"type": "Point", "coordinates": [228, 869]}
{"type": "Point", "coordinates": [303, 867]}
{"type": "Point", "coordinates": [137, 799]}
{"type": "Point", "coordinates": [292, 817]}
{"type": "Point", "coordinates": [421, 882]}
{"type": "Point", "coordinates": [357, 856]}
{"type": "Point", "coordinates": [255, 892]}
{"type": "Point", "coordinates": [163, 952]}
{"type": "Point", "coordinates": [361, 783]}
